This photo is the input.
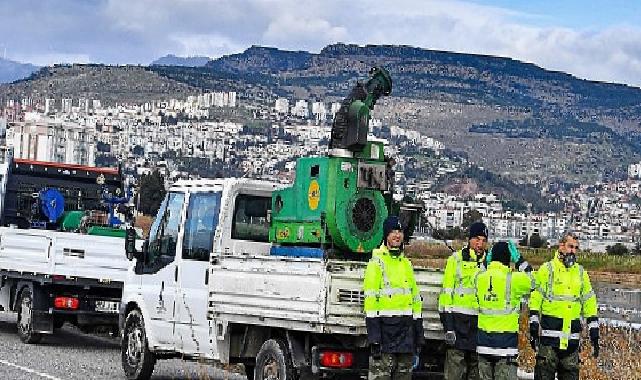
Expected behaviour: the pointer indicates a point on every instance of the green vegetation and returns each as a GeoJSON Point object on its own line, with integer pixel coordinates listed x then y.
{"type": "Point", "coordinates": [151, 193]}
{"type": "Point", "coordinates": [618, 249]}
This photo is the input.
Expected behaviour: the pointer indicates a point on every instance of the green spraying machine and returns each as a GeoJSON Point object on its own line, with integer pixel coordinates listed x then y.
{"type": "Point", "coordinates": [338, 203]}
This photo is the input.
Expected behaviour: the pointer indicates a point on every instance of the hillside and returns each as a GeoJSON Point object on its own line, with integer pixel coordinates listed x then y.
{"type": "Point", "coordinates": [110, 84]}
{"type": "Point", "coordinates": [511, 117]}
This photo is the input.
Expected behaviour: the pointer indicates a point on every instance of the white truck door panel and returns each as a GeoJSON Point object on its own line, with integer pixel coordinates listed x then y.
{"type": "Point", "coordinates": [160, 271]}
{"type": "Point", "coordinates": [159, 293]}
{"type": "Point", "coordinates": [192, 326]}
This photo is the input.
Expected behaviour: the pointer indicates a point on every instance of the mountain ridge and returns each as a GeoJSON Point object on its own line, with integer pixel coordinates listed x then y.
{"type": "Point", "coordinates": [11, 71]}
{"type": "Point", "coordinates": [173, 60]}
{"type": "Point", "coordinates": [510, 117]}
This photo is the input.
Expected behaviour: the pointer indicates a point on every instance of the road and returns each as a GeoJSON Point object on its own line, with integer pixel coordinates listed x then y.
{"type": "Point", "coordinates": [69, 355]}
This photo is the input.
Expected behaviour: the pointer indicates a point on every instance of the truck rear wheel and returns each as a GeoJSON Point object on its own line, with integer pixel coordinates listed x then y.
{"type": "Point", "coordinates": [273, 362]}
{"type": "Point", "coordinates": [25, 318]}
{"type": "Point", "coordinates": [137, 361]}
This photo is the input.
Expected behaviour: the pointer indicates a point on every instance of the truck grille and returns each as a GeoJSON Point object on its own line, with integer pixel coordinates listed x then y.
{"type": "Point", "coordinates": [352, 296]}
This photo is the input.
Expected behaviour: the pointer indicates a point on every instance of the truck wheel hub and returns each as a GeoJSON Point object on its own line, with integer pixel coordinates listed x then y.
{"type": "Point", "coordinates": [271, 369]}
{"type": "Point", "coordinates": [25, 315]}
{"type": "Point", "coordinates": [134, 345]}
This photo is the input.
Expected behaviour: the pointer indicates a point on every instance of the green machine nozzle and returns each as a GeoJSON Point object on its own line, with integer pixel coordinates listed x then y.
{"type": "Point", "coordinates": [351, 123]}
{"type": "Point", "coordinates": [338, 200]}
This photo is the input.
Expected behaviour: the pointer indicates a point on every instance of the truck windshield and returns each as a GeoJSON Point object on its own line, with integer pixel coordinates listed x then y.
{"type": "Point", "coordinates": [202, 219]}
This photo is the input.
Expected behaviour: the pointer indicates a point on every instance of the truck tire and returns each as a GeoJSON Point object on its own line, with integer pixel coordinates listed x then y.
{"type": "Point", "coordinates": [58, 323]}
{"type": "Point", "coordinates": [137, 361]}
{"type": "Point", "coordinates": [273, 362]}
{"type": "Point", "coordinates": [25, 318]}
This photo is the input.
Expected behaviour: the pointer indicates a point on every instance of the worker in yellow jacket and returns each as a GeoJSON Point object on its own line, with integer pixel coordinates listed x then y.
{"type": "Point", "coordinates": [393, 308]}
{"type": "Point", "coordinates": [458, 306]}
{"type": "Point", "coordinates": [499, 291]}
{"type": "Point", "coordinates": [562, 298]}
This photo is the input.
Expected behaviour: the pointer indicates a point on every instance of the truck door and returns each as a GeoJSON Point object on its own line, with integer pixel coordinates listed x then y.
{"type": "Point", "coordinates": [192, 322]}
{"type": "Point", "coordinates": [160, 271]}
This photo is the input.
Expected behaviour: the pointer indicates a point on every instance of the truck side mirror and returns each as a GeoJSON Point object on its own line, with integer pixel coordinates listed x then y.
{"type": "Point", "coordinates": [130, 244]}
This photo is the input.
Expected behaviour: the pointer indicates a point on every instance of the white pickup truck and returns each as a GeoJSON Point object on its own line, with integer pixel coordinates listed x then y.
{"type": "Point", "coordinates": [50, 277]}
{"type": "Point", "coordinates": [205, 287]}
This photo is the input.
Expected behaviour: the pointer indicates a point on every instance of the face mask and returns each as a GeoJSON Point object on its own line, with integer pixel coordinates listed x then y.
{"type": "Point", "coordinates": [568, 259]}
{"type": "Point", "coordinates": [395, 251]}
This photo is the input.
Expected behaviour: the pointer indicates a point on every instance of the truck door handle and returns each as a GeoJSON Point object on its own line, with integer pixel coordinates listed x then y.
{"type": "Point", "coordinates": [207, 276]}
{"type": "Point", "coordinates": [176, 274]}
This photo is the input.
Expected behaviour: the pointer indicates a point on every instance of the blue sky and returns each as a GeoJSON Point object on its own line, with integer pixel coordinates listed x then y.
{"type": "Point", "coordinates": [588, 14]}
{"type": "Point", "coordinates": [598, 40]}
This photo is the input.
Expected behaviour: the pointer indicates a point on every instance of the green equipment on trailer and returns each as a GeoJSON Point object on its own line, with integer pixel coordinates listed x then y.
{"type": "Point", "coordinates": [338, 201]}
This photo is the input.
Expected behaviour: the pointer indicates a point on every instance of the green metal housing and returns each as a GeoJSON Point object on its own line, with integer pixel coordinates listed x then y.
{"type": "Point", "coordinates": [334, 202]}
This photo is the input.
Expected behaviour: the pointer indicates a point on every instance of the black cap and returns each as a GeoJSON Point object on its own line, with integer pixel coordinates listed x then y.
{"type": "Point", "coordinates": [391, 223]}
{"type": "Point", "coordinates": [478, 229]}
{"type": "Point", "coordinates": [501, 253]}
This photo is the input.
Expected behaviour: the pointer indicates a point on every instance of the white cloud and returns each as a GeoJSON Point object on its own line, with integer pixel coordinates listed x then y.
{"type": "Point", "coordinates": [611, 54]}
{"type": "Point", "coordinates": [139, 31]}
{"type": "Point", "coordinates": [302, 32]}
{"type": "Point", "coordinates": [209, 45]}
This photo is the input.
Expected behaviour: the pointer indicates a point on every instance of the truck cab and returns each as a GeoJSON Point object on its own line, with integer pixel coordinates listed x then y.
{"type": "Point", "coordinates": [168, 285]}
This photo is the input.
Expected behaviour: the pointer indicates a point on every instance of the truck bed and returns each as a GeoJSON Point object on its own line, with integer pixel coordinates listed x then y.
{"type": "Point", "coordinates": [73, 255]}
{"type": "Point", "coordinates": [305, 294]}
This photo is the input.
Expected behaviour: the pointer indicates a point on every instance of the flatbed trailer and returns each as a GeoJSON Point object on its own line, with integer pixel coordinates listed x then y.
{"type": "Point", "coordinates": [50, 277]}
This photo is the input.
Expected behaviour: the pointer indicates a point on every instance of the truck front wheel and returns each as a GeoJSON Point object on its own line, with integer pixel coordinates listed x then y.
{"type": "Point", "coordinates": [273, 362]}
{"type": "Point", "coordinates": [25, 318]}
{"type": "Point", "coordinates": [137, 361]}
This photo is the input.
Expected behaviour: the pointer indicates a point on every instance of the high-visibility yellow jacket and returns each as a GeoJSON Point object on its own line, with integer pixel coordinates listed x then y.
{"type": "Point", "coordinates": [562, 296]}
{"type": "Point", "coordinates": [499, 292]}
{"type": "Point", "coordinates": [457, 303]}
{"type": "Point", "coordinates": [393, 303]}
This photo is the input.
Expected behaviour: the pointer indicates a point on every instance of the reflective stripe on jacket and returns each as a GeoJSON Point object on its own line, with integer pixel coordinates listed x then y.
{"type": "Point", "coordinates": [562, 297]}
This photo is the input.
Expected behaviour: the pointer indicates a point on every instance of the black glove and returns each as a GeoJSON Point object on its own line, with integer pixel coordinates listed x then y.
{"type": "Point", "coordinates": [595, 346]}
{"type": "Point", "coordinates": [594, 335]}
{"type": "Point", "coordinates": [534, 334]}
{"type": "Point", "coordinates": [375, 350]}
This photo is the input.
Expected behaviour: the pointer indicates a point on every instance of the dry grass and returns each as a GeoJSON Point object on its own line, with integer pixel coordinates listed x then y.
{"type": "Point", "coordinates": [421, 253]}
{"type": "Point", "coordinates": [429, 250]}
{"type": "Point", "coordinates": [619, 358]}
